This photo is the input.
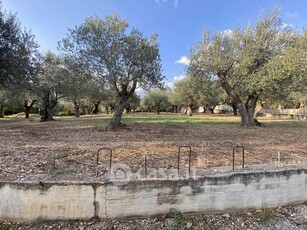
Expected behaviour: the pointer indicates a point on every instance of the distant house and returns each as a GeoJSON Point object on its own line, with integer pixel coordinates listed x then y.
{"type": "Point", "coordinates": [219, 109]}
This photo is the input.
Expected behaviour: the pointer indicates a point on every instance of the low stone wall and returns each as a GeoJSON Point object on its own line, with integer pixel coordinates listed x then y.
{"type": "Point", "coordinates": [62, 201]}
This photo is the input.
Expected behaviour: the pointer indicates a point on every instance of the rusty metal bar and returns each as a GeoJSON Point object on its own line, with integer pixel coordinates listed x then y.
{"type": "Point", "coordinates": [145, 161]}
{"type": "Point", "coordinates": [190, 154]}
{"type": "Point", "coordinates": [97, 159]}
{"type": "Point", "coordinates": [233, 156]}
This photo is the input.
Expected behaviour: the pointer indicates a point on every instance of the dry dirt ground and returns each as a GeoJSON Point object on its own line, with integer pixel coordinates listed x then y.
{"type": "Point", "coordinates": [66, 149]}
{"type": "Point", "coordinates": [283, 218]}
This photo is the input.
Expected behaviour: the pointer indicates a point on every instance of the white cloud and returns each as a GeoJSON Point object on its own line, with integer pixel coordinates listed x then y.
{"type": "Point", "coordinates": [139, 90]}
{"type": "Point", "coordinates": [289, 14]}
{"type": "Point", "coordinates": [285, 25]}
{"type": "Point", "coordinates": [175, 79]}
{"type": "Point", "coordinates": [183, 60]}
{"type": "Point", "coordinates": [228, 33]}
{"type": "Point", "coordinates": [161, 1]}
{"type": "Point", "coordinates": [175, 3]}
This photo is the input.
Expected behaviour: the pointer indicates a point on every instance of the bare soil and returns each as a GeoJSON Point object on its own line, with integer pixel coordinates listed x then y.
{"type": "Point", "coordinates": [282, 218]}
{"type": "Point", "coordinates": [66, 149]}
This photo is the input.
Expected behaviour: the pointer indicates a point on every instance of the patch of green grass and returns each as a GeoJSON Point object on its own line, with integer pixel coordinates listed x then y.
{"type": "Point", "coordinates": [102, 120]}
{"type": "Point", "coordinates": [61, 171]}
{"type": "Point", "coordinates": [178, 119]}
{"type": "Point", "coordinates": [179, 221]}
{"type": "Point", "coordinates": [266, 215]}
{"type": "Point", "coordinates": [4, 226]}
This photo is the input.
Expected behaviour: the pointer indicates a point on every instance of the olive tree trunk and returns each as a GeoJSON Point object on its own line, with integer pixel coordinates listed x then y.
{"type": "Point", "coordinates": [77, 108]}
{"type": "Point", "coordinates": [96, 107]}
{"type": "Point", "coordinates": [128, 108]}
{"type": "Point", "coordinates": [118, 112]}
{"type": "Point", "coordinates": [189, 111]}
{"type": "Point", "coordinates": [234, 109]}
{"type": "Point", "coordinates": [48, 106]}
{"type": "Point", "coordinates": [247, 109]}
{"type": "Point", "coordinates": [106, 107]}
{"type": "Point", "coordinates": [28, 107]}
{"type": "Point", "coordinates": [1, 110]}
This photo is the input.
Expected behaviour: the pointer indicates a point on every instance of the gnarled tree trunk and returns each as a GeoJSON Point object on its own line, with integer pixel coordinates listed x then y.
{"type": "Point", "coordinates": [106, 107]}
{"type": "Point", "coordinates": [96, 108]}
{"type": "Point", "coordinates": [189, 111]}
{"type": "Point", "coordinates": [234, 109]}
{"type": "Point", "coordinates": [118, 112]}
{"type": "Point", "coordinates": [77, 108]}
{"type": "Point", "coordinates": [247, 109]}
{"type": "Point", "coordinates": [123, 95]}
{"type": "Point", "coordinates": [1, 110]}
{"type": "Point", "coordinates": [128, 108]}
{"type": "Point", "coordinates": [48, 106]}
{"type": "Point", "coordinates": [28, 107]}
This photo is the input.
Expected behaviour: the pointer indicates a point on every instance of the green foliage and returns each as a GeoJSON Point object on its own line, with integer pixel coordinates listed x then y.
{"type": "Point", "coordinates": [18, 51]}
{"type": "Point", "coordinates": [156, 100]}
{"type": "Point", "coordinates": [51, 83]}
{"type": "Point", "coordinates": [116, 59]}
{"type": "Point", "coordinates": [210, 92]}
{"type": "Point", "coordinates": [63, 108]}
{"type": "Point", "coordinates": [4, 226]}
{"type": "Point", "coordinates": [262, 61]}
{"type": "Point", "coordinates": [133, 103]}
{"type": "Point", "coordinates": [179, 221]}
{"type": "Point", "coordinates": [266, 215]}
{"type": "Point", "coordinates": [61, 171]}
{"type": "Point", "coordinates": [186, 92]}
{"type": "Point", "coordinates": [53, 77]}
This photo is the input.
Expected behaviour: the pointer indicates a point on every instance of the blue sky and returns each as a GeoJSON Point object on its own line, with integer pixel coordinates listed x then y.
{"type": "Point", "coordinates": [177, 22]}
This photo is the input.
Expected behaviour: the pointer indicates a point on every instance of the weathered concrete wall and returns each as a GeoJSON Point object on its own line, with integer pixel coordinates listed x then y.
{"type": "Point", "coordinates": [22, 201]}
{"type": "Point", "coordinates": [209, 194]}
{"type": "Point", "coordinates": [32, 202]}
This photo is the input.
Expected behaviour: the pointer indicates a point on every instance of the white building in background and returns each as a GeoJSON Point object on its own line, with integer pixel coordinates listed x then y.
{"type": "Point", "coordinates": [218, 109]}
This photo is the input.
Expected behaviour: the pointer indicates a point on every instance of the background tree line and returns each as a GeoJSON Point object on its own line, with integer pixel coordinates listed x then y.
{"type": "Point", "coordinates": [101, 64]}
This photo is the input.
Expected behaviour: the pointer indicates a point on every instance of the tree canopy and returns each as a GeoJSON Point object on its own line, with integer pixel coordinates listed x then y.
{"type": "Point", "coordinates": [18, 50]}
{"type": "Point", "coordinates": [156, 99]}
{"type": "Point", "coordinates": [243, 61]}
{"type": "Point", "coordinates": [115, 58]}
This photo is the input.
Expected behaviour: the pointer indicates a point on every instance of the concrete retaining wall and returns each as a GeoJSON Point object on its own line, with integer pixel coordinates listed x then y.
{"type": "Point", "coordinates": [50, 201]}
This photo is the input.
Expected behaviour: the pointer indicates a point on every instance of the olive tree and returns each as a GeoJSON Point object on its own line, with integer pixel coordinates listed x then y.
{"type": "Point", "coordinates": [51, 83]}
{"type": "Point", "coordinates": [133, 103]}
{"type": "Point", "coordinates": [18, 61]}
{"type": "Point", "coordinates": [114, 57]}
{"type": "Point", "coordinates": [240, 59]}
{"type": "Point", "coordinates": [287, 81]}
{"type": "Point", "coordinates": [156, 99]}
{"type": "Point", "coordinates": [97, 94]}
{"type": "Point", "coordinates": [210, 93]}
{"type": "Point", "coordinates": [17, 51]}
{"type": "Point", "coordinates": [186, 93]}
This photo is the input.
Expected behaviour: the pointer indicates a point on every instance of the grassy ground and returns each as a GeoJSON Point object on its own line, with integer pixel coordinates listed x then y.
{"type": "Point", "coordinates": [66, 147]}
